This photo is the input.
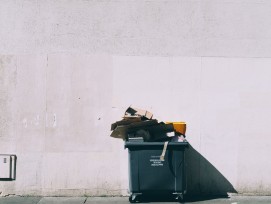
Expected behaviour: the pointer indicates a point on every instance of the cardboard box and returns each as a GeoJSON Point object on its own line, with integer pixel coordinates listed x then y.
{"type": "Point", "coordinates": [138, 112]}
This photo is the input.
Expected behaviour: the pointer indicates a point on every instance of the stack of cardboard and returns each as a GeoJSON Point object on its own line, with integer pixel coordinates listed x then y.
{"type": "Point", "coordinates": [139, 125]}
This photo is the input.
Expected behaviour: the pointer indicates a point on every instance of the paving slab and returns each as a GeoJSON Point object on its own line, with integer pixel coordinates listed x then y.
{"type": "Point", "coordinates": [231, 200]}
{"type": "Point", "coordinates": [62, 200]}
{"type": "Point", "coordinates": [101, 200]}
{"type": "Point", "coordinates": [250, 199]}
{"type": "Point", "coordinates": [19, 200]}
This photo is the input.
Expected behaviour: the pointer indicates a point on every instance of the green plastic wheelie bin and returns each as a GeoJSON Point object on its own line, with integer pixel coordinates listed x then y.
{"type": "Point", "coordinates": [150, 175]}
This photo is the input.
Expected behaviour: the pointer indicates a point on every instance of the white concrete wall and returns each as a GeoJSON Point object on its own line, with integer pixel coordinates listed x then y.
{"type": "Point", "coordinates": [68, 69]}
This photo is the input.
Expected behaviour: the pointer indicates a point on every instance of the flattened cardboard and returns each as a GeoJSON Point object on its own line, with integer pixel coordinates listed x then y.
{"type": "Point", "coordinates": [138, 123]}
{"type": "Point", "coordinates": [123, 130]}
{"type": "Point", "coordinates": [125, 121]}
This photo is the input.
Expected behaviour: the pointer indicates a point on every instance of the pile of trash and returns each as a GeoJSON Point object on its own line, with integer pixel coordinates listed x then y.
{"type": "Point", "coordinates": [138, 125]}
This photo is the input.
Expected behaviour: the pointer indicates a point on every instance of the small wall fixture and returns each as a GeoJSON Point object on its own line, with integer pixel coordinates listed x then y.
{"type": "Point", "coordinates": [7, 167]}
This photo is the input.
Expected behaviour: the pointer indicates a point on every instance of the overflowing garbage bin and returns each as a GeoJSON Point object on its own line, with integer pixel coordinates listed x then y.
{"type": "Point", "coordinates": [156, 154]}
{"type": "Point", "coordinates": [148, 174]}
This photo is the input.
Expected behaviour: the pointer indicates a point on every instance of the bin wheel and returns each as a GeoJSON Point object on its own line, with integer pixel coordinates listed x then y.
{"type": "Point", "coordinates": [134, 198]}
{"type": "Point", "coordinates": [179, 198]}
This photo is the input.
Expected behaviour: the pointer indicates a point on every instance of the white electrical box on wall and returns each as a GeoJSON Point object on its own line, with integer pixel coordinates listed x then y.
{"type": "Point", "coordinates": [7, 166]}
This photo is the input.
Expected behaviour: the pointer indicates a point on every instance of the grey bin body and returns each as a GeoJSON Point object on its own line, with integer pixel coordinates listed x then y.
{"type": "Point", "coordinates": [149, 175]}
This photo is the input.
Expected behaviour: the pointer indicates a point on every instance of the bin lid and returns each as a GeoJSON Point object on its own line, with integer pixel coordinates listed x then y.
{"type": "Point", "coordinates": [145, 144]}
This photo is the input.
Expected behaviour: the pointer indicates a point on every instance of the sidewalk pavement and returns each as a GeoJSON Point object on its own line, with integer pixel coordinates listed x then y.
{"type": "Point", "coordinates": [122, 200]}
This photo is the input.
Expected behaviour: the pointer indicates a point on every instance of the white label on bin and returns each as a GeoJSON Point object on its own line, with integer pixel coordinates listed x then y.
{"type": "Point", "coordinates": [155, 161]}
